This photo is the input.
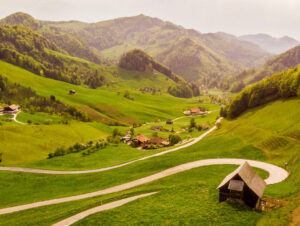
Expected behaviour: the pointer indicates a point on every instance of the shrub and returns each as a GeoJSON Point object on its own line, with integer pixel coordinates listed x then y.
{"type": "Point", "coordinates": [174, 139]}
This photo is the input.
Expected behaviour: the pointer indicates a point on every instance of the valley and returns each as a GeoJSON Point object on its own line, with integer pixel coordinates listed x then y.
{"type": "Point", "coordinates": [137, 121]}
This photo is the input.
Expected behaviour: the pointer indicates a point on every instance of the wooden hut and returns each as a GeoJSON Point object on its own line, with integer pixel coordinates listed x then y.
{"type": "Point", "coordinates": [169, 121]}
{"type": "Point", "coordinates": [242, 184]}
{"type": "Point", "coordinates": [72, 92]}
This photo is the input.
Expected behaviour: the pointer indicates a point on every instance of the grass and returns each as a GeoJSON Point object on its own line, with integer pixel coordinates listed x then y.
{"type": "Point", "coordinates": [145, 107]}
{"type": "Point", "coordinates": [39, 118]}
{"type": "Point", "coordinates": [166, 207]}
{"type": "Point", "coordinates": [191, 194]}
{"type": "Point", "coordinates": [27, 143]}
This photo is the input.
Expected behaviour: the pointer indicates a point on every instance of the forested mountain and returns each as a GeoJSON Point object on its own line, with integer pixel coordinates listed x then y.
{"type": "Point", "coordinates": [281, 85]}
{"type": "Point", "coordinates": [271, 44]}
{"type": "Point", "coordinates": [282, 62]}
{"type": "Point", "coordinates": [140, 61]}
{"type": "Point", "coordinates": [207, 57]}
{"type": "Point", "coordinates": [67, 41]}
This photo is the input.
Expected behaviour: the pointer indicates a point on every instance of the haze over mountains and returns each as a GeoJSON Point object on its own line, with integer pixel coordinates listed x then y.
{"type": "Point", "coordinates": [271, 44]}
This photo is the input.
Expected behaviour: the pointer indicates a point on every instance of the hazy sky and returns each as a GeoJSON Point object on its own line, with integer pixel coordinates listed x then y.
{"type": "Point", "coordinates": [274, 17]}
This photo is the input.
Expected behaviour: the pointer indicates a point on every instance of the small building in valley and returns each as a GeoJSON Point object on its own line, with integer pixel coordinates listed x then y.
{"type": "Point", "coordinates": [1, 110]}
{"type": "Point", "coordinates": [242, 184]}
{"type": "Point", "coordinates": [13, 108]}
{"type": "Point", "coordinates": [140, 140]}
{"type": "Point", "coordinates": [72, 92]}
{"type": "Point", "coordinates": [169, 121]}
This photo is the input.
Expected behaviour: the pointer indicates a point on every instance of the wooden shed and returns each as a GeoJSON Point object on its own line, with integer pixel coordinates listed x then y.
{"type": "Point", "coordinates": [242, 184]}
{"type": "Point", "coordinates": [169, 121]}
{"type": "Point", "coordinates": [72, 92]}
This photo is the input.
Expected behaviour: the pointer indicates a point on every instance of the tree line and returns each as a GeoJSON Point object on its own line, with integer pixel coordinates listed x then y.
{"type": "Point", "coordinates": [281, 85]}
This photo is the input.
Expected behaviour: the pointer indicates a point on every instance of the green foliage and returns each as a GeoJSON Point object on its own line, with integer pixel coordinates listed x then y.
{"type": "Point", "coordinates": [138, 60]}
{"type": "Point", "coordinates": [174, 139]}
{"type": "Point", "coordinates": [21, 46]}
{"type": "Point", "coordinates": [280, 85]}
{"type": "Point", "coordinates": [182, 89]}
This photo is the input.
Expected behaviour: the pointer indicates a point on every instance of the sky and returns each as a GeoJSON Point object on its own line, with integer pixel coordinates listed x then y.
{"type": "Point", "coordinates": [275, 17]}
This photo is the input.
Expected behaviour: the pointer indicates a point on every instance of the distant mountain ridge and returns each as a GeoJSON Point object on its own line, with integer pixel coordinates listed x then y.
{"type": "Point", "coordinates": [271, 44]}
{"type": "Point", "coordinates": [279, 63]}
{"type": "Point", "coordinates": [207, 57]}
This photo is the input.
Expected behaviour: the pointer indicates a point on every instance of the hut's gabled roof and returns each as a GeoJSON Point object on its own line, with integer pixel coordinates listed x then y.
{"type": "Point", "coordinates": [141, 138]}
{"type": "Point", "coordinates": [251, 179]}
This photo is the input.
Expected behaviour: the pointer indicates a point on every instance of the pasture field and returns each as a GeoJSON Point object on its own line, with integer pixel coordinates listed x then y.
{"type": "Point", "coordinates": [106, 105]}
{"type": "Point", "coordinates": [236, 139]}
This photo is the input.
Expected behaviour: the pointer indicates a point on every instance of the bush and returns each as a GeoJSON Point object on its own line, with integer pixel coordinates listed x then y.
{"type": "Point", "coordinates": [174, 139]}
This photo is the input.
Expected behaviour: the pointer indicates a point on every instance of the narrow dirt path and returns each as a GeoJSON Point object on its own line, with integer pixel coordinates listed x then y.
{"type": "Point", "coordinates": [276, 175]}
{"type": "Point", "coordinates": [15, 118]}
{"type": "Point", "coordinates": [79, 216]}
{"type": "Point", "coordinates": [31, 170]}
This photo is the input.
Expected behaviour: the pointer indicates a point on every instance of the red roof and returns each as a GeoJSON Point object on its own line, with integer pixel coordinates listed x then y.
{"type": "Point", "coordinates": [141, 138]}
{"type": "Point", "coordinates": [195, 110]}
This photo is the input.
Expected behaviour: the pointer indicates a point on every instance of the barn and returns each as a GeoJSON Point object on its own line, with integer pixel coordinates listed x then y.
{"type": "Point", "coordinates": [242, 184]}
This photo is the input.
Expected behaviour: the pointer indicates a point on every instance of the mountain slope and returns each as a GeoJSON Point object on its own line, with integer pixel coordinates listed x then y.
{"type": "Point", "coordinates": [280, 63]}
{"type": "Point", "coordinates": [70, 43]}
{"type": "Point", "coordinates": [271, 44]}
{"type": "Point", "coordinates": [281, 85]}
{"type": "Point", "coordinates": [114, 37]}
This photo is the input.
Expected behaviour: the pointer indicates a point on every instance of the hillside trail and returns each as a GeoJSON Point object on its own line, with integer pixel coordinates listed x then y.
{"type": "Point", "coordinates": [79, 216]}
{"type": "Point", "coordinates": [15, 118]}
{"type": "Point", "coordinates": [43, 171]}
{"type": "Point", "coordinates": [276, 175]}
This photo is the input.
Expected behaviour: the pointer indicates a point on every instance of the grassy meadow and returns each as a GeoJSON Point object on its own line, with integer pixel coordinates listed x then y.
{"type": "Point", "coordinates": [102, 104]}
{"type": "Point", "coordinates": [234, 139]}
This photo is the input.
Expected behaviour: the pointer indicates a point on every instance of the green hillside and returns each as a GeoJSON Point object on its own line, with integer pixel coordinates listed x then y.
{"type": "Point", "coordinates": [267, 133]}
{"type": "Point", "coordinates": [281, 85]}
{"type": "Point", "coordinates": [217, 56]}
{"type": "Point", "coordinates": [280, 63]}
{"type": "Point", "coordinates": [101, 104]}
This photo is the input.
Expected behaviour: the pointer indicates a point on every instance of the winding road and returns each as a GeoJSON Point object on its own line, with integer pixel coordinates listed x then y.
{"type": "Point", "coordinates": [79, 216]}
{"type": "Point", "coordinates": [276, 175]}
{"type": "Point", "coordinates": [31, 170]}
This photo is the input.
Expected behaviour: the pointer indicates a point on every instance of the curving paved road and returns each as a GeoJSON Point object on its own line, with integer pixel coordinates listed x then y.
{"type": "Point", "coordinates": [31, 170]}
{"type": "Point", "coordinates": [79, 216]}
{"type": "Point", "coordinates": [276, 175]}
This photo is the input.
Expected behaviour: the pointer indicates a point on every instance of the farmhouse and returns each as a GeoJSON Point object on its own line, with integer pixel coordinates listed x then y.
{"type": "Point", "coordinates": [11, 108]}
{"type": "Point", "coordinates": [157, 142]}
{"type": "Point", "coordinates": [194, 111]}
{"type": "Point", "coordinates": [72, 92]}
{"type": "Point", "coordinates": [140, 140]}
{"type": "Point", "coordinates": [242, 184]}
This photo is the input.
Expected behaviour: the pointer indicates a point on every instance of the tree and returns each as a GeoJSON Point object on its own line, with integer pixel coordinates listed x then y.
{"type": "Point", "coordinates": [174, 139]}
{"type": "Point", "coordinates": [192, 123]}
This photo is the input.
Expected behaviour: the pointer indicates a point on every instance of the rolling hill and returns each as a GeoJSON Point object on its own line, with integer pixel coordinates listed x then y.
{"type": "Point", "coordinates": [214, 58]}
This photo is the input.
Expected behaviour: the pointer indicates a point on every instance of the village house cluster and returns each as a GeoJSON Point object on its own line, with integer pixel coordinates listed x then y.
{"type": "Point", "coordinates": [144, 142]}
{"type": "Point", "coordinates": [195, 111]}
